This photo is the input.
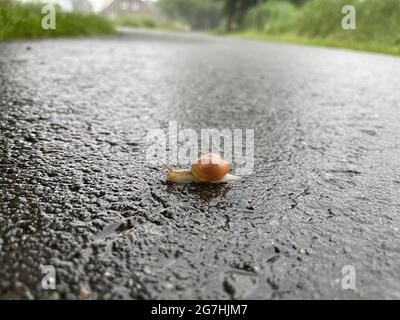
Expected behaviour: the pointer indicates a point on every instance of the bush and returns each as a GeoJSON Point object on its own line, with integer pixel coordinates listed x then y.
{"type": "Point", "coordinates": [377, 20]}
{"type": "Point", "coordinates": [272, 17]}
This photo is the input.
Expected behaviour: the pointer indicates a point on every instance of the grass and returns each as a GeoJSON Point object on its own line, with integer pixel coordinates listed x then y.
{"type": "Point", "coordinates": [318, 22]}
{"type": "Point", "coordinates": [23, 21]}
{"type": "Point", "coordinates": [148, 23]}
{"type": "Point", "coordinates": [297, 39]}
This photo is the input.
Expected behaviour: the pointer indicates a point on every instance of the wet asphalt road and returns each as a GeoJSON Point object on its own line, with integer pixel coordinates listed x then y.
{"type": "Point", "coordinates": [76, 192]}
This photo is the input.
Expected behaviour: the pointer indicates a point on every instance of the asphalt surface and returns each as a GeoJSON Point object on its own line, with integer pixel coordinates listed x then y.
{"type": "Point", "coordinates": [77, 193]}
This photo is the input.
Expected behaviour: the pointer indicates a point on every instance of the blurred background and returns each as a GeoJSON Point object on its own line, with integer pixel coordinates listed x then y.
{"type": "Point", "coordinates": [304, 21]}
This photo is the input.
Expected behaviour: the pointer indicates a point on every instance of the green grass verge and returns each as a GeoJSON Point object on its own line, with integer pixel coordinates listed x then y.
{"type": "Point", "coordinates": [319, 22]}
{"type": "Point", "coordinates": [24, 21]}
{"type": "Point", "coordinates": [324, 42]}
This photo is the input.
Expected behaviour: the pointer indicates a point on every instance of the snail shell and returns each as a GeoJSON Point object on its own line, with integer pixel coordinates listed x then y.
{"type": "Point", "coordinates": [208, 168]}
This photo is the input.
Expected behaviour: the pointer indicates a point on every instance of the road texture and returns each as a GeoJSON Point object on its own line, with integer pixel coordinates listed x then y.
{"type": "Point", "coordinates": [77, 193]}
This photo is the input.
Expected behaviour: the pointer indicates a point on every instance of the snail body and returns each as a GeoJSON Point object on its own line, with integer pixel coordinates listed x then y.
{"type": "Point", "coordinates": [209, 168]}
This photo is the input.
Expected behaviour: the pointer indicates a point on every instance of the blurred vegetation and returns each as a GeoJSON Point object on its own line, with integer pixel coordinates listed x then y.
{"type": "Point", "coordinates": [319, 22]}
{"type": "Point", "coordinates": [272, 17]}
{"type": "Point", "coordinates": [19, 20]}
{"type": "Point", "coordinates": [149, 23]}
{"type": "Point", "coordinates": [301, 21]}
{"type": "Point", "coordinates": [377, 20]}
{"type": "Point", "coordinates": [198, 14]}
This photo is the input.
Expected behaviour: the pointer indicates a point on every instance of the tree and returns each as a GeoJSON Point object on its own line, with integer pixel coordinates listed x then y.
{"type": "Point", "coordinates": [199, 14]}
{"type": "Point", "coordinates": [235, 11]}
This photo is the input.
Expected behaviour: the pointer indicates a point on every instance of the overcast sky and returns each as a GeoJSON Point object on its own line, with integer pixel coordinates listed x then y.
{"type": "Point", "coordinates": [66, 4]}
{"type": "Point", "coordinates": [97, 4]}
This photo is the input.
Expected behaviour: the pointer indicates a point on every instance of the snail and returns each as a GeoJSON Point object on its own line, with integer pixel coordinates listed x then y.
{"type": "Point", "coordinates": [208, 168]}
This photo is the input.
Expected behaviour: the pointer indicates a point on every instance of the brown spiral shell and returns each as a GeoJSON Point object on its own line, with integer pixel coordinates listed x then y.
{"type": "Point", "coordinates": [210, 167]}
